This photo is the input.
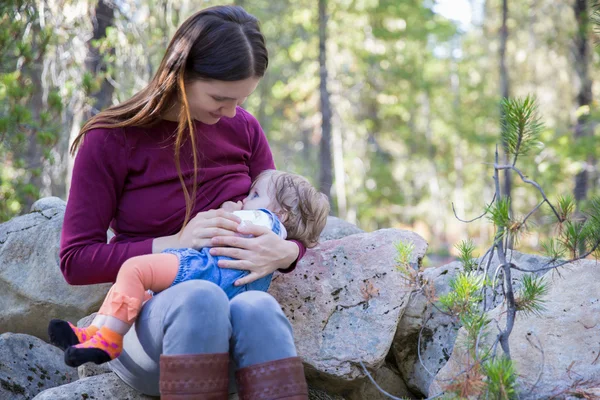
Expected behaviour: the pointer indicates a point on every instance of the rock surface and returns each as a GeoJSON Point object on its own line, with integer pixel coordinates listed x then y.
{"type": "Point", "coordinates": [440, 330]}
{"type": "Point", "coordinates": [344, 301]}
{"type": "Point", "coordinates": [437, 336]}
{"type": "Point", "coordinates": [32, 286]}
{"type": "Point", "coordinates": [100, 387]}
{"type": "Point", "coordinates": [28, 365]}
{"type": "Point", "coordinates": [337, 228]}
{"type": "Point", "coordinates": [558, 352]}
{"type": "Point", "coordinates": [388, 380]}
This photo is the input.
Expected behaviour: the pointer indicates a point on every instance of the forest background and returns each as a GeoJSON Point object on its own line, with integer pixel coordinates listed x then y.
{"type": "Point", "coordinates": [390, 106]}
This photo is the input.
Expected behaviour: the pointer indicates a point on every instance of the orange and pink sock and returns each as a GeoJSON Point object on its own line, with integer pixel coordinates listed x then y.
{"type": "Point", "coordinates": [103, 346]}
{"type": "Point", "coordinates": [64, 334]}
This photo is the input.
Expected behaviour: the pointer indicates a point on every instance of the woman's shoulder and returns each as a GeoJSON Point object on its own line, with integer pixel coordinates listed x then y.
{"type": "Point", "coordinates": [130, 136]}
{"type": "Point", "coordinates": [104, 138]}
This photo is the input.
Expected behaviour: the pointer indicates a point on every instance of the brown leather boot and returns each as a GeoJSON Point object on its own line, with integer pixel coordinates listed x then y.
{"type": "Point", "coordinates": [279, 379]}
{"type": "Point", "coordinates": [194, 376]}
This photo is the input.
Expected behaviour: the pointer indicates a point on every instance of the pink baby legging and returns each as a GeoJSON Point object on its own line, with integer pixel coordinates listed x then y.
{"type": "Point", "coordinates": [138, 274]}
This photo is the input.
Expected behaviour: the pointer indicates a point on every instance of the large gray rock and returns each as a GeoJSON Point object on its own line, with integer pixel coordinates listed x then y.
{"type": "Point", "coordinates": [100, 387]}
{"type": "Point", "coordinates": [28, 365]}
{"type": "Point", "coordinates": [437, 330]}
{"type": "Point", "coordinates": [313, 394]}
{"type": "Point", "coordinates": [48, 203]}
{"type": "Point", "coordinates": [437, 336]}
{"type": "Point", "coordinates": [556, 353]}
{"type": "Point", "coordinates": [337, 228]}
{"type": "Point", "coordinates": [32, 286]}
{"type": "Point", "coordinates": [344, 301]}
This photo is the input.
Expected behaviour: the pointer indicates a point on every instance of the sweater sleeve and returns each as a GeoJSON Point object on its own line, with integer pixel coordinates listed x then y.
{"type": "Point", "coordinates": [262, 159]}
{"type": "Point", "coordinates": [98, 178]}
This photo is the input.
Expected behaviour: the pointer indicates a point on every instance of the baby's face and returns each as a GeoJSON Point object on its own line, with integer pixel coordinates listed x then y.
{"type": "Point", "coordinates": [261, 194]}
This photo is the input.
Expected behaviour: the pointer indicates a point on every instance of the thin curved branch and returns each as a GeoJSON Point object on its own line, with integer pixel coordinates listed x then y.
{"type": "Point", "coordinates": [482, 259]}
{"type": "Point", "coordinates": [419, 347]}
{"type": "Point", "coordinates": [532, 211]}
{"type": "Point", "coordinates": [543, 362]}
{"type": "Point", "coordinates": [471, 220]}
{"type": "Point", "coordinates": [557, 265]}
{"type": "Point", "coordinates": [529, 181]}
{"type": "Point", "coordinates": [377, 386]}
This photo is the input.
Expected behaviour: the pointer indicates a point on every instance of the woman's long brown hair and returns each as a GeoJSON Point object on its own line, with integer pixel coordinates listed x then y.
{"type": "Point", "coordinates": [219, 43]}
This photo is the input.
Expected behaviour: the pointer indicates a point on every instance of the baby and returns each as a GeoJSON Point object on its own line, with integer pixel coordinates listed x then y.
{"type": "Point", "coordinates": [286, 203]}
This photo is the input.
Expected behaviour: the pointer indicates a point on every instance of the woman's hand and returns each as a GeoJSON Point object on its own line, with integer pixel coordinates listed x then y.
{"type": "Point", "coordinates": [261, 255]}
{"type": "Point", "coordinates": [200, 230]}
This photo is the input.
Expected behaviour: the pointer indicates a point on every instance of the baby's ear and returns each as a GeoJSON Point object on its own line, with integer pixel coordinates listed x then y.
{"type": "Point", "coordinates": [282, 215]}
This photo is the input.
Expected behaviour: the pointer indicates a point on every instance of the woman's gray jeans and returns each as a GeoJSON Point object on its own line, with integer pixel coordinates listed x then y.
{"type": "Point", "coordinates": [196, 317]}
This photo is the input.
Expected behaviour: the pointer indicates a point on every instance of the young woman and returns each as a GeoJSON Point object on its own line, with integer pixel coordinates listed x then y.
{"type": "Point", "coordinates": [150, 168]}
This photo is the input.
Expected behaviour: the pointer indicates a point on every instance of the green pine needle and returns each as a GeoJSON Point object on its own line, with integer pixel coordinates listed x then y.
{"type": "Point", "coordinates": [464, 294]}
{"type": "Point", "coordinates": [474, 321]}
{"type": "Point", "coordinates": [521, 126]}
{"type": "Point", "coordinates": [565, 206]}
{"type": "Point", "coordinates": [466, 248]}
{"type": "Point", "coordinates": [553, 249]}
{"type": "Point", "coordinates": [502, 378]}
{"type": "Point", "coordinates": [404, 253]}
{"type": "Point", "coordinates": [572, 237]}
{"type": "Point", "coordinates": [498, 213]}
{"type": "Point", "coordinates": [529, 299]}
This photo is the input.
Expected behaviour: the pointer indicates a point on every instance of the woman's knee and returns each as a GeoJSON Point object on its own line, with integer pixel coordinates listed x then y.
{"type": "Point", "coordinates": [261, 332]}
{"type": "Point", "coordinates": [197, 319]}
{"type": "Point", "coordinates": [196, 295]}
{"type": "Point", "coordinates": [254, 306]}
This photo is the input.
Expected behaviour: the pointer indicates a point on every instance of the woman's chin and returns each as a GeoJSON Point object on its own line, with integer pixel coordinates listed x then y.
{"type": "Point", "coordinates": [208, 119]}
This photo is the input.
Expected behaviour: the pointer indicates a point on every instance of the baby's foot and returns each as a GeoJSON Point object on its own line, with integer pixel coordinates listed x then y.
{"type": "Point", "coordinates": [64, 334]}
{"type": "Point", "coordinates": [104, 346]}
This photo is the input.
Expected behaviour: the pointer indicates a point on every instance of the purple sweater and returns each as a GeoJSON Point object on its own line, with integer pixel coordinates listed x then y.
{"type": "Point", "coordinates": [127, 179]}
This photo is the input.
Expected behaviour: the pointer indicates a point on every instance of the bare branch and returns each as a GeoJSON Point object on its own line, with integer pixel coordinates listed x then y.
{"type": "Point", "coordinates": [486, 271]}
{"type": "Point", "coordinates": [379, 387]}
{"type": "Point", "coordinates": [471, 220]}
{"type": "Point", "coordinates": [533, 183]}
{"type": "Point", "coordinates": [558, 265]}
{"type": "Point", "coordinates": [539, 347]}
{"type": "Point", "coordinates": [509, 295]}
{"type": "Point", "coordinates": [419, 347]}
{"type": "Point", "coordinates": [532, 211]}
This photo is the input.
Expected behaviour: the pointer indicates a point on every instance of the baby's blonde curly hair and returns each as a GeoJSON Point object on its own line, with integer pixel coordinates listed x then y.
{"type": "Point", "coordinates": [302, 209]}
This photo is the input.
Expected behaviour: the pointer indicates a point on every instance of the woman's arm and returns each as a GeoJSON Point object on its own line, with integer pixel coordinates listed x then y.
{"type": "Point", "coordinates": [98, 178]}
{"type": "Point", "coordinates": [199, 231]}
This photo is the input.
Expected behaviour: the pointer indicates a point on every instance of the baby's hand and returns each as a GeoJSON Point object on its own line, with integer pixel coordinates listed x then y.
{"type": "Point", "coordinates": [231, 206]}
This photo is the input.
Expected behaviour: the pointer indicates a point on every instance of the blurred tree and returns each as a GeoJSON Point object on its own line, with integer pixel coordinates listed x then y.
{"type": "Point", "coordinates": [102, 18]}
{"type": "Point", "coordinates": [504, 87]}
{"type": "Point", "coordinates": [583, 130]}
{"type": "Point", "coordinates": [325, 173]}
{"type": "Point", "coordinates": [29, 107]}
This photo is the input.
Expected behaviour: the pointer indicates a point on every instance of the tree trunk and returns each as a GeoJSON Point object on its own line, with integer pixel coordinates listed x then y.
{"type": "Point", "coordinates": [504, 83]}
{"type": "Point", "coordinates": [584, 97]}
{"type": "Point", "coordinates": [325, 179]}
{"type": "Point", "coordinates": [33, 153]}
{"type": "Point", "coordinates": [103, 17]}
